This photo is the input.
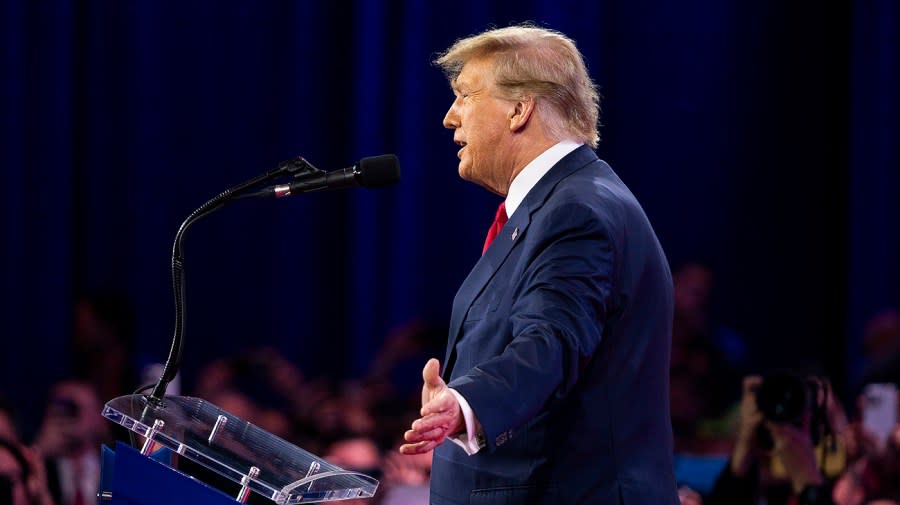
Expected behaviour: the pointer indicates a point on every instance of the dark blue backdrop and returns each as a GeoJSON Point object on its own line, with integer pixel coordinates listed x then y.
{"type": "Point", "coordinates": [761, 137]}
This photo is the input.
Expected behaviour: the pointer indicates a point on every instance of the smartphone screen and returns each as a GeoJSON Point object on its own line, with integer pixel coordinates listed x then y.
{"type": "Point", "coordinates": [879, 410]}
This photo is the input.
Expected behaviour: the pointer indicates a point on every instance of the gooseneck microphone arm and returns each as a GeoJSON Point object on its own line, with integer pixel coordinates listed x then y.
{"type": "Point", "coordinates": [371, 172]}
{"type": "Point", "coordinates": [294, 167]}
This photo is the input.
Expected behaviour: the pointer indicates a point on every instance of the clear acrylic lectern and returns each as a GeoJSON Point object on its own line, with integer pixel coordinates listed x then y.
{"type": "Point", "coordinates": [255, 459]}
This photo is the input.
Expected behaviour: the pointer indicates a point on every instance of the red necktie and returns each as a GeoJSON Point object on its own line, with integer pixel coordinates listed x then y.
{"type": "Point", "coordinates": [499, 220]}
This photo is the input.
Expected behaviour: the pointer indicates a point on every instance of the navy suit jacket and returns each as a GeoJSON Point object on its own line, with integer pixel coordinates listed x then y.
{"type": "Point", "coordinates": [559, 340]}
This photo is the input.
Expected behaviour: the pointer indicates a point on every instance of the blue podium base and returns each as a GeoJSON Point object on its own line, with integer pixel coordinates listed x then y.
{"type": "Point", "coordinates": [133, 479]}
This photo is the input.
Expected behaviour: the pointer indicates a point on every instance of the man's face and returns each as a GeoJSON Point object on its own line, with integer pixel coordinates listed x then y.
{"type": "Point", "coordinates": [480, 121]}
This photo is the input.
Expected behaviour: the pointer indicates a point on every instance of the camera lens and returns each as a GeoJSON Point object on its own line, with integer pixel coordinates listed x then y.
{"type": "Point", "coordinates": [782, 397]}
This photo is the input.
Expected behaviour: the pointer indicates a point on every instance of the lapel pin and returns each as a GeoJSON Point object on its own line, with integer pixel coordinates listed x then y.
{"type": "Point", "coordinates": [515, 233]}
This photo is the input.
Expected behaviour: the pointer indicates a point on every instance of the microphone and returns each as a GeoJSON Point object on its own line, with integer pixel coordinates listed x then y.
{"type": "Point", "coordinates": [370, 172]}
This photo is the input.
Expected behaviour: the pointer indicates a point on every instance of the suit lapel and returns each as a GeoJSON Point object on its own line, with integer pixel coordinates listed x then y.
{"type": "Point", "coordinates": [489, 264]}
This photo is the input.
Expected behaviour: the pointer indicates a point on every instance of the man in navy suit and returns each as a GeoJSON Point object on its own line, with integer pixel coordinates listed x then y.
{"type": "Point", "coordinates": [555, 382]}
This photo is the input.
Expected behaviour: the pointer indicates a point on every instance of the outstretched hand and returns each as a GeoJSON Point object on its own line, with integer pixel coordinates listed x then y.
{"type": "Point", "coordinates": [441, 415]}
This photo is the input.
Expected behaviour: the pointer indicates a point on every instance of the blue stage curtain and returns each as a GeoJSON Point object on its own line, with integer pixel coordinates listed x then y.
{"type": "Point", "coordinates": [874, 176]}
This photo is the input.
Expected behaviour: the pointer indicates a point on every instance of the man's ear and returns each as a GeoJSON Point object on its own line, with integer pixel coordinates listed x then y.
{"type": "Point", "coordinates": [521, 113]}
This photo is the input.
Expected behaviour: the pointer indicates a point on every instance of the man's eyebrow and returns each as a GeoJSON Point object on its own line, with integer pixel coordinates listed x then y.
{"type": "Point", "coordinates": [461, 85]}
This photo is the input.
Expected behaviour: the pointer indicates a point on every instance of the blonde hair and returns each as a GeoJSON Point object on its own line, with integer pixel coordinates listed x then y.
{"type": "Point", "coordinates": [541, 63]}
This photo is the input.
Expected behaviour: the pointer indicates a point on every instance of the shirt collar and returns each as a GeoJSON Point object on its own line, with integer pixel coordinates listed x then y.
{"type": "Point", "coordinates": [532, 173]}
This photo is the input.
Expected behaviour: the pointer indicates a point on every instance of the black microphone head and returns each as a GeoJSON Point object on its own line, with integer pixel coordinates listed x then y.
{"type": "Point", "coordinates": [377, 171]}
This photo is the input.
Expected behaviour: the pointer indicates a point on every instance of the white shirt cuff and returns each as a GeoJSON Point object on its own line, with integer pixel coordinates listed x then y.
{"type": "Point", "coordinates": [472, 440]}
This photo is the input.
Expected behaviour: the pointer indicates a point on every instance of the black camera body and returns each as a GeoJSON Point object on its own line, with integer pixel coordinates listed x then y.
{"type": "Point", "coordinates": [787, 397]}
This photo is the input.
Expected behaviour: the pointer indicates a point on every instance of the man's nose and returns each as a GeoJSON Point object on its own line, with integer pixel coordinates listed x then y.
{"type": "Point", "coordinates": [451, 119]}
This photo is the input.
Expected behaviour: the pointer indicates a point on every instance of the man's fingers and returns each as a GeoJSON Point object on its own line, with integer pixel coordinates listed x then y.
{"type": "Point", "coordinates": [444, 403]}
{"type": "Point", "coordinates": [417, 448]}
{"type": "Point", "coordinates": [433, 434]}
{"type": "Point", "coordinates": [431, 422]}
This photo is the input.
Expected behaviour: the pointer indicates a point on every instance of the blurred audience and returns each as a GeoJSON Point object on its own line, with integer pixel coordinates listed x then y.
{"type": "Point", "coordinates": [707, 362]}
{"type": "Point", "coordinates": [263, 387]}
{"type": "Point", "coordinates": [881, 348]}
{"type": "Point", "coordinates": [872, 479]}
{"type": "Point", "coordinates": [816, 456]}
{"type": "Point", "coordinates": [69, 441]}
{"type": "Point", "coordinates": [693, 320]}
{"type": "Point", "coordinates": [357, 454]}
{"type": "Point", "coordinates": [102, 344]}
{"type": "Point", "coordinates": [22, 479]}
{"type": "Point", "coordinates": [8, 430]}
{"type": "Point", "coordinates": [706, 365]}
{"type": "Point", "coordinates": [761, 445]}
{"type": "Point", "coordinates": [730, 449]}
{"type": "Point", "coordinates": [352, 424]}
{"type": "Point", "coordinates": [406, 479]}
{"type": "Point", "coordinates": [396, 366]}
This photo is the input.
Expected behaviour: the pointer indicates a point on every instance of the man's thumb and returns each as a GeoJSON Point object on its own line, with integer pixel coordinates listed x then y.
{"type": "Point", "coordinates": [432, 373]}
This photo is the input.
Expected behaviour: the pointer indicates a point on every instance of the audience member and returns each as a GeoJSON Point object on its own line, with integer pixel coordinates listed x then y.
{"type": "Point", "coordinates": [396, 366]}
{"type": "Point", "coordinates": [704, 381]}
{"type": "Point", "coordinates": [406, 479]}
{"type": "Point", "coordinates": [8, 430]}
{"type": "Point", "coordinates": [259, 386]}
{"type": "Point", "coordinates": [22, 479]}
{"type": "Point", "coordinates": [102, 344]}
{"type": "Point", "coordinates": [881, 347]}
{"type": "Point", "coordinates": [693, 319]}
{"type": "Point", "coordinates": [69, 440]}
{"type": "Point", "coordinates": [706, 365]}
{"type": "Point", "coordinates": [873, 475]}
{"type": "Point", "coordinates": [786, 468]}
{"type": "Point", "coordinates": [358, 454]}
{"type": "Point", "coordinates": [350, 424]}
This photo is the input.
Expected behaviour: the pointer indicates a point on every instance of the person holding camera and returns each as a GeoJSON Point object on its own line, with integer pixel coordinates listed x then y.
{"type": "Point", "coordinates": [746, 478]}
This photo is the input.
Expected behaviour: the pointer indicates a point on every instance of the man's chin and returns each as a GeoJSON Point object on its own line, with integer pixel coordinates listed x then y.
{"type": "Point", "coordinates": [465, 173]}
{"type": "Point", "coordinates": [468, 176]}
